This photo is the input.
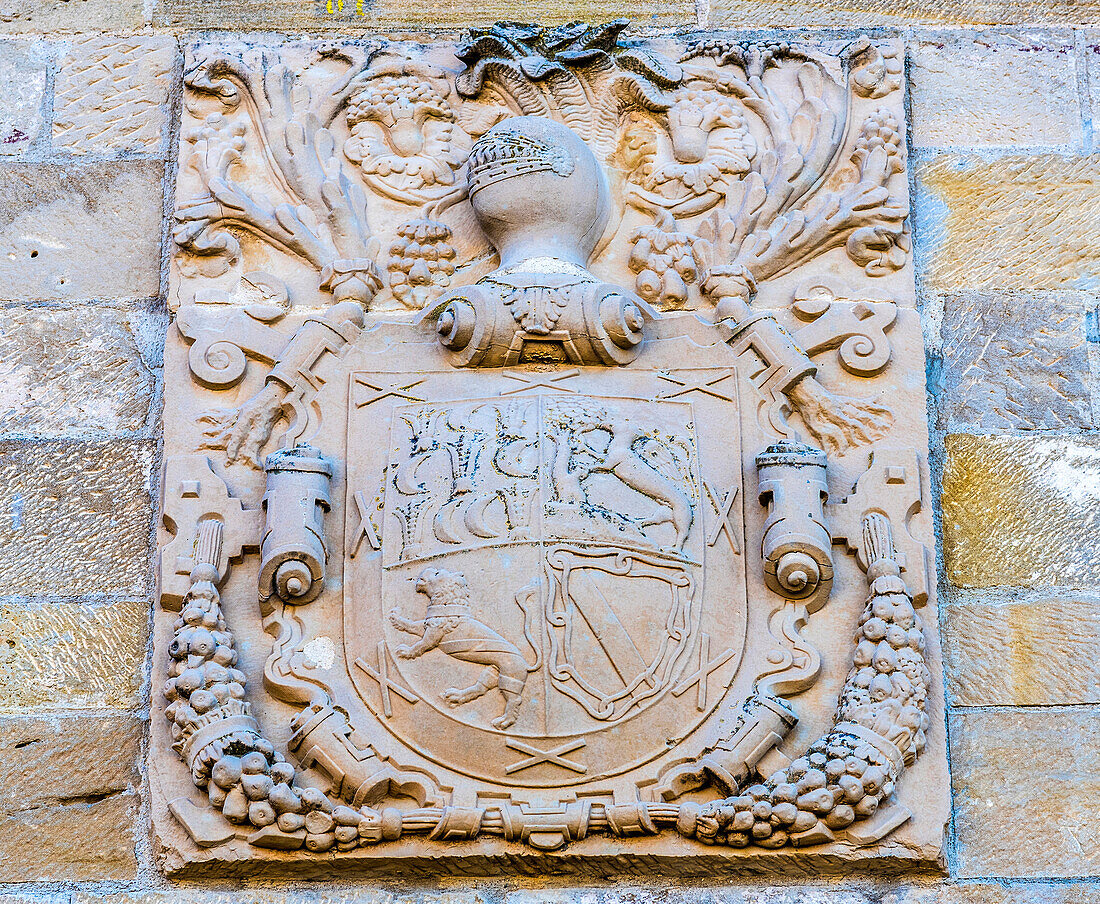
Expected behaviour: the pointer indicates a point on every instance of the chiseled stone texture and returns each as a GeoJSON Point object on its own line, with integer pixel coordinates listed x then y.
{"type": "Point", "coordinates": [70, 371]}
{"type": "Point", "coordinates": [111, 94]}
{"type": "Point", "coordinates": [78, 231]}
{"type": "Point", "coordinates": [63, 505]}
{"type": "Point", "coordinates": [851, 13]}
{"type": "Point", "coordinates": [726, 893]}
{"type": "Point", "coordinates": [1088, 44]}
{"type": "Point", "coordinates": [23, 64]}
{"type": "Point", "coordinates": [67, 797]}
{"type": "Point", "coordinates": [345, 15]}
{"type": "Point", "coordinates": [1015, 222]}
{"type": "Point", "coordinates": [19, 16]}
{"type": "Point", "coordinates": [71, 655]}
{"type": "Point", "coordinates": [1039, 650]}
{"type": "Point", "coordinates": [1022, 511]}
{"type": "Point", "coordinates": [1018, 768]}
{"type": "Point", "coordinates": [994, 88]}
{"type": "Point", "coordinates": [1015, 361]}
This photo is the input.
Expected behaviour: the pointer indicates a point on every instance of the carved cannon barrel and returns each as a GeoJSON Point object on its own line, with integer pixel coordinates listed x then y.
{"type": "Point", "coordinates": [797, 547]}
{"type": "Point", "coordinates": [292, 553]}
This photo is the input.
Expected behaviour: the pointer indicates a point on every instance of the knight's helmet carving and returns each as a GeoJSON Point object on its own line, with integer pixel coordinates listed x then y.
{"type": "Point", "coordinates": [543, 201]}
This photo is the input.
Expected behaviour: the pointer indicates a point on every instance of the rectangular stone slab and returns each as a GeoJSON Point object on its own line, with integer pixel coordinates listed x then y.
{"type": "Point", "coordinates": [546, 464]}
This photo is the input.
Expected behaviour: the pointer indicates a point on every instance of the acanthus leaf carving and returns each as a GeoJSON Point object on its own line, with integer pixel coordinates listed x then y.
{"type": "Point", "coordinates": [321, 216]}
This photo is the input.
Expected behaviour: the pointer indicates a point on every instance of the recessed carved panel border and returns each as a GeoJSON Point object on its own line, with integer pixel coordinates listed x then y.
{"type": "Point", "coordinates": [546, 482]}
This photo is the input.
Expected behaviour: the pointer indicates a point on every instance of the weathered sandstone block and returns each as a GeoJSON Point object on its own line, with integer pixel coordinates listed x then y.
{"type": "Point", "coordinates": [1018, 222]}
{"type": "Point", "coordinates": [845, 892]}
{"type": "Point", "coordinates": [79, 515]}
{"type": "Point", "coordinates": [848, 13]}
{"type": "Point", "coordinates": [69, 371]}
{"type": "Point", "coordinates": [353, 15]}
{"type": "Point", "coordinates": [17, 16]}
{"type": "Point", "coordinates": [23, 64]}
{"type": "Point", "coordinates": [1013, 361]}
{"type": "Point", "coordinates": [1012, 769]}
{"type": "Point", "coordinates": [71, 655]}
{"type": "Point", "coordinates": [67, 797]}
{"type": "Point", "coordinates": [1021, 512]}
{"type": "Point", "coordinates": [111, 94]}
{"type": "Point", "coordinates": [994, 88]}
{"type": "Point", "coordinates": [78, 231]}
{"type": "Point", "coordinates": [1032, 651]}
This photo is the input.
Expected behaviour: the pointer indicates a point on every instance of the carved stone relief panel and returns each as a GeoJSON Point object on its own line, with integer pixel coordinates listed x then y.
{"type": "Point", "coordinates": [546, 481]}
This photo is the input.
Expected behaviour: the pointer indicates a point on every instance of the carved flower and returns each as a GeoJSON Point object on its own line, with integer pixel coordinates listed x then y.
{"type": "Point", "coordinates": [401, 130]}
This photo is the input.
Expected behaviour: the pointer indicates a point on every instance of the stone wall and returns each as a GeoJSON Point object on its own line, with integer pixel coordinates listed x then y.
{"type": "Point", "coordinates": [1006, 178]}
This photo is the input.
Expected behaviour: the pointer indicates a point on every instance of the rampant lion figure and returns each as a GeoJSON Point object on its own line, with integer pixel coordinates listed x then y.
{"type": "Point", "coordinates": [450, 625]}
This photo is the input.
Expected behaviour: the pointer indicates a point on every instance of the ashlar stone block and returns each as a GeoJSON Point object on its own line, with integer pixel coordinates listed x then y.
{"type": "Point", "coordinates": [91, 764]}
{"type": "Point", "coordinates": [366, 15]}
{"type": "Point", "coordinates": [1035, 650]}
{"type": "Point", "coordinates": [23, 65]}
{"type": "Point", "coordinates": [80, 231]}
{"type": "Point", "coordinates": [991, 88]}
{"type": "Point", "coordinates": [1015, 361]}
{"type": "Point", "coordinates": [111, 94]}
{"type": "Point", "coordinates": [1039, 491]}
{"type": "Point", "coordinates": [68, 502]}
{"type": "Point", "coordinates": [870, 13]}
{"type": "Point", "coordinates": [1025, 223]}
{"type": "Point", "coordinates": [1012, 767]}
{"type": "Point", "coordinates": [74, 371]}
{"type": "Point", "coordinates": [71, 655]}
{"type": "Point", "coordinates": [498, 426]}
{"type": "Point", "coordinates": [18, 17]}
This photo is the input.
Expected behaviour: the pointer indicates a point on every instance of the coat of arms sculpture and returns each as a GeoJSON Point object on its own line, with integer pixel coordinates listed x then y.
{"type": "Point", "coordinates": [545, 481]}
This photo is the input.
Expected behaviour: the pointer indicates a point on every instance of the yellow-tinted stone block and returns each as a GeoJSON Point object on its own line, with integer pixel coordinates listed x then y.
{"type": "Point", "coordinates": [1034, 652]}
{"type": "Point", "coordinates": [71, 656]}
{"type": "Point", "coordinates": [1022, 511]}
{"type": "Point", "coordinates": [851, 13]}
{"type": "Point", "coordinates": [1017, 222]}
{"type": "Point", "coordinates": [361, 15]}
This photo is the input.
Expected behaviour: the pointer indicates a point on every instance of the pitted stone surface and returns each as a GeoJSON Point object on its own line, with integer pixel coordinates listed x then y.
{"type": "Point", "coordinates": [1025, 223]}
{"type": "Point", "coordinates": [1015, 361]}
{"type": "Point", "coordinates": [66, 503]}
{"type": "Point", "coordinates": [71, 655]}
{"type": "Point", "coordinates": [77, 823]}
{"type": "Point", "coordinates": [1019, 88]}
{"type": "Point", "coordinates": [729, 892]}
{"type": "Point", "coordinates": [23, 64]}
{"type": "Point", "coordinates": [1021, 512]}
{"type": "Point", "coordinates": [72, 371]}
{"type": "Point", "coordinates": [863, 13]}
{"type": "Point", "coordinates": [111, 94]}
{"type": "Point", "coordinates": [70, 15]}
{"type": "Point", "coordinates": [1018, 767]}
{"type": "Point", "coordinates": [1038, 650]}
{"type": "Point", "coordinates": [80, 231]}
